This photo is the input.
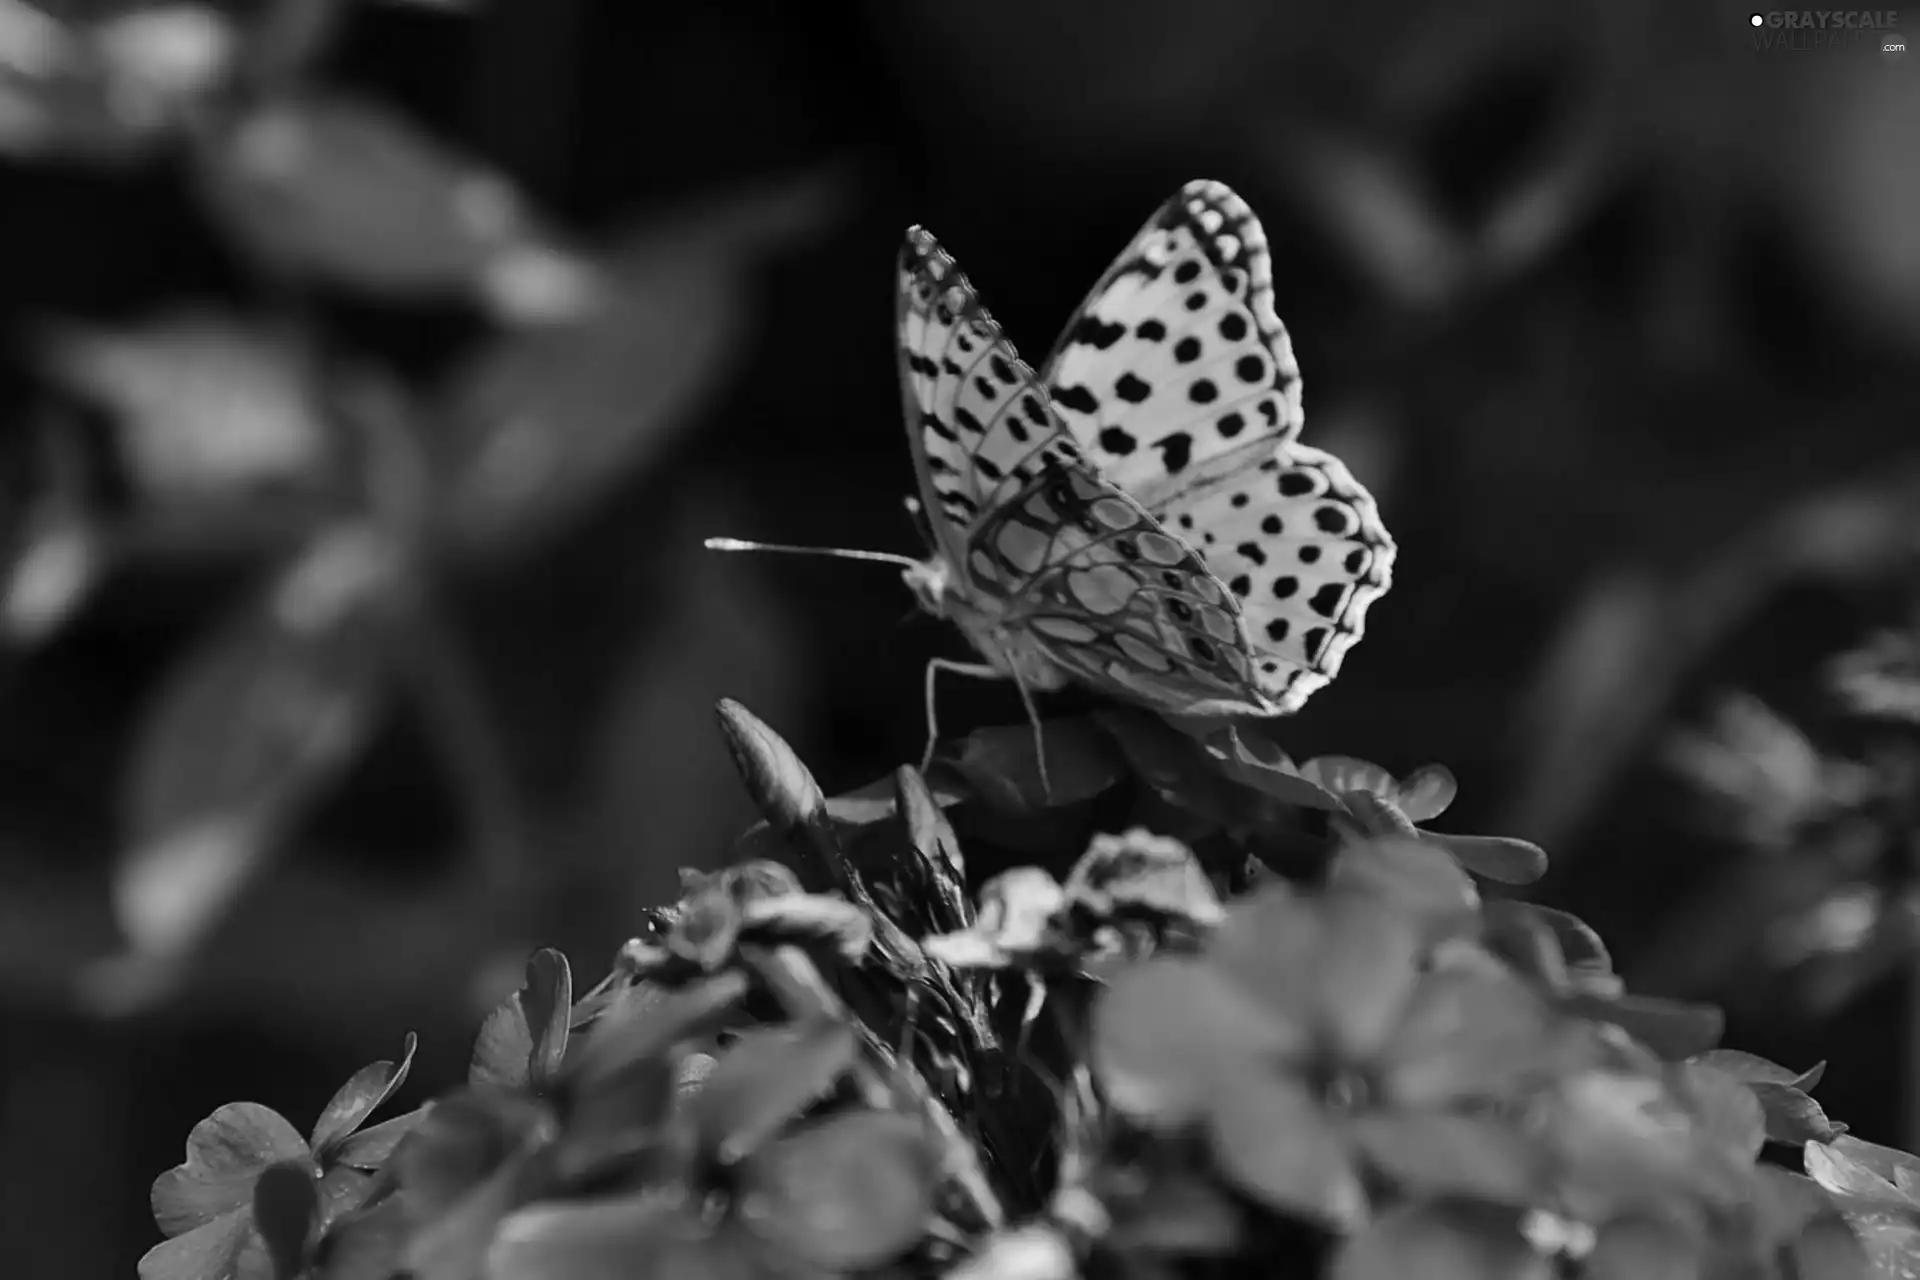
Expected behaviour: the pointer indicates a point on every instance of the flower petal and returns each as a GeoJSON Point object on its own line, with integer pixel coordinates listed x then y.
{"type": "Point", "coordinates": [603, 1239]}
{"type": "Point", "coordinates": [766, 1078]}
{"type": "Point", "coordinates": [1163, 1028]}
{"type": "Point", "coordinates": [1431, 1153]}
{"type": "Point", "coordinates": [1274, 1142]}
{"type": "Point", "coordinates": [369, 1148]}
{"type": "Point", "coordinates": [1440, 1242]}
{"type": "Point", "coordinates": [524, 1038]}
{"type": "Point", "coordinates": [1633, 1249]}
{"type": "Point", "coordinates": [357, 1099]}
{"type": "Point", "coordinates": [1365, 972]}
{"type": "Point", "coordinates": [847, 1194]}
{"type": "Point", "coordinates": [1468, 1034]}
{"type": "Point", "coordinates": [226, 1248]}
{"type": "Point", "coordinates": [225, 1153]}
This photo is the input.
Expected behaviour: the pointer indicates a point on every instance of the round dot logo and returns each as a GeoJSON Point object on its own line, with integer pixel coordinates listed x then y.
{"type": "Point", "coordinates": [1757, 20]}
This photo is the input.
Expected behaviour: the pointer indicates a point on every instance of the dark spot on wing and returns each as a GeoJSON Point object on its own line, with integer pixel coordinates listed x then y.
{"type": "Point", "coordinates": [1277, 629]}
{"type": "Point", "coordinates": [1241, 585]}
{"type": "Point", "coordinates": [1284, 587]}
{"type": "Point", "coordinates": [1233, 326]}
{"type": "Point", "coordinates": [1150, 331]}
{"type": "Point", "coordinates": [1356, 560]}
{"type": "Point", "coordinates": [1114, 440]}
{"type": "Point", "coordinates": [1203, 391]}
{"type": "Point", "coordinates": [1253, 551]}
{"type": "Point", "coordinates": [1176, 450]}
{"type": "Point", "coordinates": [1309, 554]}
{"type": "Point", "coordinates": [1296, 484]}
{"type": "Point", "coordinates": [1239, 500]}
{"type": "Point", "coordinates": [1000, 369]}
{"type": "Point", "coordinates": [1250, 368]}
{"type": "Point", "coordinates": [1272, 526]}
{"type": "Point", "coordinates": [1187, 272]}
{"type": "Point", "coordinates": [1180, 609]}
{"type": "Point", "coordinates": [1078, 399]}
{"type": "Point", "coordinates": [1202, 650]}
{"type": "Point", "coordinates": [1326, 601]}
{"type": "Point", "coordinates": [1315, 641]}
{"type": "Point", "coordinates": [1196, 300]}
{"type": "Point", "coordinates": [1132, 388]}
{"type": "Point", "coordinates": [1187, 350]}
{"type": "Point", "coordinates": [987, 468]}
{"type": "Point", "coordinates": [1097, 333]}
{"type": "Point", "coordinates": [1231, 425]}
{"type": "Point", "coordinates": [1330, 519]}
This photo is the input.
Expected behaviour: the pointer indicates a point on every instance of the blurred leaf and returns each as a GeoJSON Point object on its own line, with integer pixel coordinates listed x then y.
{"type": "Point", "coordinates": [365, 1244]}
{"type": "Point", "coordinates": [259, 719]}
{"type": "Point", "coordinates": [595, 1239]}
{"type": "Point", "coordinates": [1244, 752]}
{"type": "Point", "coordinates": [543, 423]}
{"type": "Point", "coordinates": [524, 1040]}
{"type": "Point", "coordinates": [204, 407]}
{"type": "Point", "coordinates": [1436, 1154]}
{"type": "Point", "coordinates": [357, 1099]}
{"type": "Point", "coordinates": [1671, 1028]}
{"type": "Point", "coordinates": [1757, 1070]}
{"type": "Point", "coordinates": [368, 1149]}
{"type": "Point", "coordinates": [766, 1078]}
{"type": "Point", "coordinates": [50, 576]}
{"type": "Point", "coordinates": [1002, 765]}
{"type": "Point", "coordinates": [880, 799]}
{"type": "Point", "coordinates": [339, 187]}
{"type": "Point", "coordinates": [848, 1193]}
{"type": "Point", "coordinates": [1409, 873]}
{"type": "Point", "coordinates": [1273, 1141]}
{"type": "Point", "coordinates": [1634, 1249]}
{"type": "Point", "coordinates": [1727, 1109]}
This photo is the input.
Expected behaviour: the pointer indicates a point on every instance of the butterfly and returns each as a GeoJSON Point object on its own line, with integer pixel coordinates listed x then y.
{"type": "Point", "coordinates": [1139, 520]}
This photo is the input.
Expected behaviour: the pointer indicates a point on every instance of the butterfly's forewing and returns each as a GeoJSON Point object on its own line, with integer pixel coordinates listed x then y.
{"type": "Point", "coordinates": [1176, 356]}
{"type": "Point", "coordinates": [1113, 598]}
{"type": "Point", "coordinates": [1059, 553]}
{"type": "Point", "coordinates": [977, 422]}
{"type": "Point", "coordinates": [1180, 382]}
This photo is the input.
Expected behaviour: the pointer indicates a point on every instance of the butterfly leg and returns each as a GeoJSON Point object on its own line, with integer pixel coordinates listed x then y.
{"type": "Point", "coordinates": [978, 670]}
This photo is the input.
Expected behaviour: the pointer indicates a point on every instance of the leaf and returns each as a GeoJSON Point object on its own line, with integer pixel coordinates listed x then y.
{"type": "Point", "coordinates": [848, 1193]}
{"type": "Point", "coordinates": [357, 1099]}
{"type": "Point", "coordinates": [286, 1208]}
{"type": "Point", "coordinates": [1829, 1249]}
{"type": "Point", "coordinates": [539, 428]}
{"type": "Point", "coordinates": [337, 187]}
{"type": "Point", "coordinates": [524, 1039]}
{"type": "Point", "coordinates": [1245, 754]}
{"type": "Point", "coordinates": [462, 1142]}
{"type": "Point", "coordinates": [1469, 1035]}
{"type": "Point", "coordinates": [1752, 1068]}
{"type": "Point", "coordinates": [1889, 1162]}
{"type": "Point", "coordinates": [1174, 764]}
{"type": "Point", "coordinates": [1163, 1029]}
{"type": "Point", "coordinates": [1674, 1029]}
{"type": "Point", "coordinates": [1436, 1154]}
{"type": "Point", "coordinates": [597, 1239]}
{"type": "Point", "coordinates": [880, 799]}
{"type": "Point", "coordinates": [1501, 858]}
{"type": "Point", "coordinates": [1634, 1249]}
{"type": "Point", "coordinates": [369, 1148]}
{"type": "Point", "coordinates": [1440, 1242]}
{"type": "Point", "coordinates": [225, 1153]}
{"type": "Point", "coordinates": [1002, 765]}
{"type": "Point", "coordinates": [1836, 1170]}
{"type": "Point", "coordinates": [1579, 943]}
{"type": "Point", "coordinates": [1515, 933]}
{"type": "Point", "coordinates": [206, 409]}
{"type": "Point", "coordinates": [1408, 873]}
{"type": "Point", "coordinates": [646, 1022]}
{"type": "Point", "coordinates": [1273, 1142]}
{"type": "Point", "coordinates": [767, 1078]}
{"type": "Point", "coordinates": [1727, 1109]}
{"type": "Point", "coordinates": [262, 716]}
{"type": "Point", "coordinates": [1792, 1117]}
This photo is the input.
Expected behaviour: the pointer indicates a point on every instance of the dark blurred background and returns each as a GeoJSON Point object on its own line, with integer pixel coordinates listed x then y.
{"type": "Point", "coordinates": [372, 372]}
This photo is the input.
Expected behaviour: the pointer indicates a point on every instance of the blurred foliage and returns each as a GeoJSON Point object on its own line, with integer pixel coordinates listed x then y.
{"type": "Point", "coordinates": [374, 369]}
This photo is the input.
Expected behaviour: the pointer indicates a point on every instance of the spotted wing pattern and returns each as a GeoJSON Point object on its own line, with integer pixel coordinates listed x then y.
{"type": "Point", "coordinates": [1113, 598]}
{"type": "Point", "coordinates": [1176, 356]}
{"type": "Point", "coordinates": [977, 421]}
{"type": "Point", "coordinates": [1180, 382]}
{"type": "Point", "coordinates": [1299, 542]}
{"type": "Point", "coordinates": [1034, 533]}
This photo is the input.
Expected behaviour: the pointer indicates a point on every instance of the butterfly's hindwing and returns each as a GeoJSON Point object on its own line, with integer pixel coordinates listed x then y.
{"type": "Point", "coordinates": [1113, 597]}
{"type": "Point", "coordinates": [1300, 544]}
{"type": "Point", "coordinates": [1177, 355]}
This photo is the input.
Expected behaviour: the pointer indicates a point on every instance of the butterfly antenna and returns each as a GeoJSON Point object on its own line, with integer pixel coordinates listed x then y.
{"type": "Point", "coordinates": [838, 553]}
